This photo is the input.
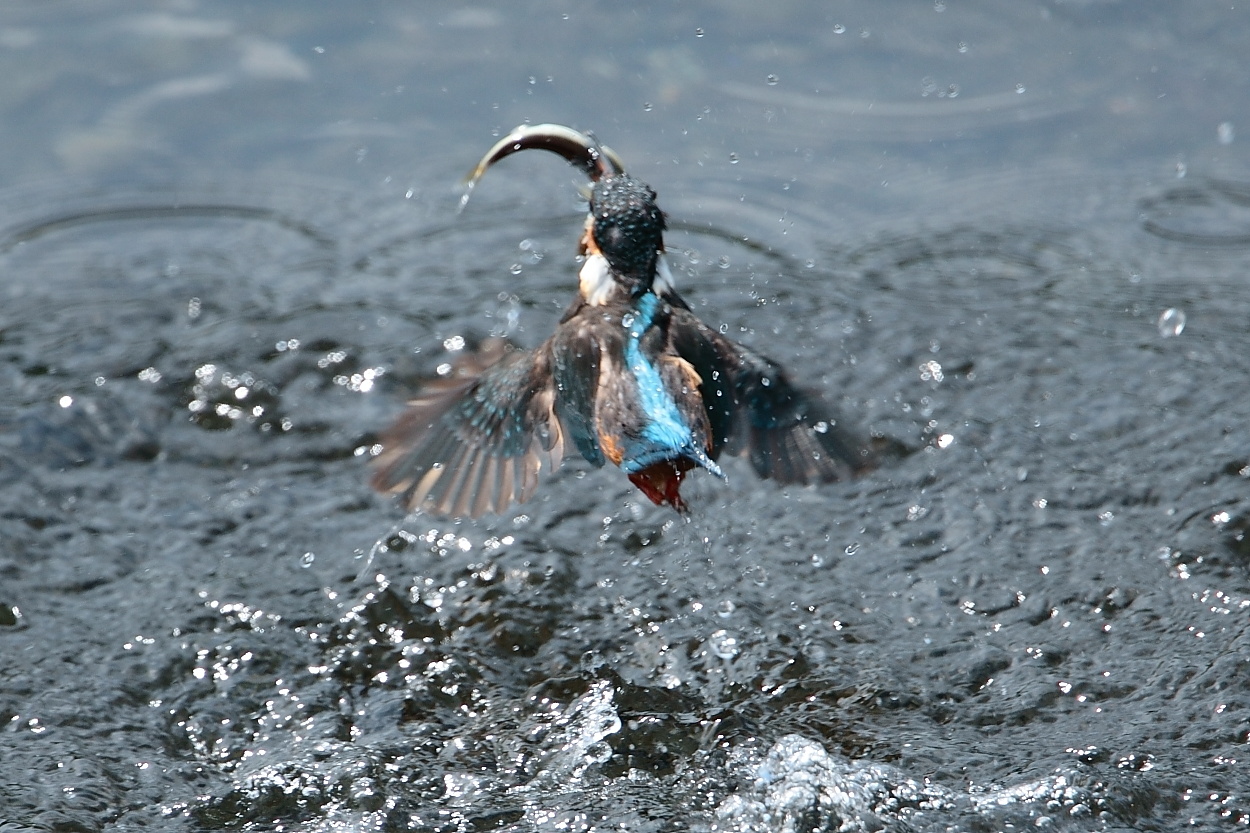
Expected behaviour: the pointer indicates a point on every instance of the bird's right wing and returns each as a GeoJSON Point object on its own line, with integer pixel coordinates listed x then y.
{"type": "Point", "coordinates": [788, 434]}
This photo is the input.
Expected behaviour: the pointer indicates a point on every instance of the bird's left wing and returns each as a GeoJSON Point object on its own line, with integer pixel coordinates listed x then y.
{"type": "Point", "coordinates": [477, 440]}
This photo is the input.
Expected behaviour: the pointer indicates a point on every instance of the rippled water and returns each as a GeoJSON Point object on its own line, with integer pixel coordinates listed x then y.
{"type": "Point", "coordinates": [231, 248]}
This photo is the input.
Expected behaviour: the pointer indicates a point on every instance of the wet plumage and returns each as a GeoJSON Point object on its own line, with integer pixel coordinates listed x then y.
{"type": "Point", "coordinates": [631, 376]}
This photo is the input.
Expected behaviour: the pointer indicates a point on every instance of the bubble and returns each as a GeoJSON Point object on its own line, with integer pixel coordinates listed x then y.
{"type": "Point", "coordinates": [1171, 322]}
{"type": "Point", "coordinates": [772, 80]}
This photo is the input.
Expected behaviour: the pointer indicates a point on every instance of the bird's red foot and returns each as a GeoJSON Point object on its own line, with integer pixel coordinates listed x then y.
{"type": "Point", "coordinates": [661, 482]}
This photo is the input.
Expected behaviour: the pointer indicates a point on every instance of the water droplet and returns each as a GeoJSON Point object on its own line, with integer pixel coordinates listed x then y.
{"type": "Point", "coordinates": [1225, 133]}
{"type": "Point", "coordinates": [725, 609]}
{"type": "Point", "coordinates": [516, 268]}
{"type": "Point", "coordinates": [733, 159]}
{"type": "Point", "coordinates": [723, 262]}
{"type": "Point", "coordinates": [1171, 322]}
{"type": "Point", "coordinates": [952, 90]}
{"type": "Point", "coordinates": [821, 427]}
{"type": "Point", "coordinates": [646, 106]}
{"type": "Point", "coordinates": [939, 6]}
{"type": "Point", "coordinates": [817, 560]}
{"type": "Point", "coordinates": [1181, 170]}
{"type": "Point", "coordinates": [723, 645]}
{"type": "Point", "coordinates": [772, 80]}
{"type": "Point", "coordinates": [963, 48]}
{"type": "Point", "coordinates": [627, 320]}
{"type": "Point", "coordinates": [723, 328]}
{"type": "Point", "coordinates": [698, 33]}
{"type": "Point", "coordinates": [852, 548]}
{"type": "Point", "coordinates": [1019, 89]}
{"type": "Point", "coordinates": [864, 33]}
{"type": "Point", "coordinates": [306, 560]}
{"type": "Point", "coordinates": [839, 29]}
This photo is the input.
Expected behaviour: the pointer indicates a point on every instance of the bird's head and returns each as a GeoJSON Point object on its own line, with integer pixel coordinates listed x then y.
{"type": "Point", "coordinates": [625, 225]}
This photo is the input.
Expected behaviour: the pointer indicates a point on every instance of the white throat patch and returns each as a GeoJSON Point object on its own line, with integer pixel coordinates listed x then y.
{"type": "Point", "coordinates": [596, 282]}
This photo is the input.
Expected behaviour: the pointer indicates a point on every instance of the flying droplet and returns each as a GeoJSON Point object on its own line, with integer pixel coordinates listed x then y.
{"type": "Point", "coordinates": [963, 48]}
{"type": "Point", "coordinates": [772, 80]}
{"type": "Point", "coordinates": [1019, 89]}
{"type": "Point", "coordinates": [839, 29]}
{"type": "Point", "coordinates": [698, 33]}
{"type": "Point", "coordinates": [307, 559]}
{"type": "Point", "coordinates": [733, 159]}
{"type": "Point", "coordinates": [723, 645]}
{"type": "Point", "coordinates": [516, 269]}
{"type": "Point", "coordinates": [647, 107]}
{"type": "Point", "coordinates": [1171, 322]}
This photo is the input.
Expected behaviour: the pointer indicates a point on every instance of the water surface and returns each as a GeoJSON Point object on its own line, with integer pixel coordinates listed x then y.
{"type": "Point", "coordinates": [1012, 237]}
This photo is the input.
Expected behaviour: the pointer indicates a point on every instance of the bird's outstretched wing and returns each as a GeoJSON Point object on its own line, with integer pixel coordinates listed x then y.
{"type": "Point", "coordinates": [789, 435]}
{"type": "Point", "coordinates": [476, 440]}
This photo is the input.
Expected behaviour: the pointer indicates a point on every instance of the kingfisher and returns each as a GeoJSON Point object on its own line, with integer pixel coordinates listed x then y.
{"type": "Point", "coordinates": [631, 376]}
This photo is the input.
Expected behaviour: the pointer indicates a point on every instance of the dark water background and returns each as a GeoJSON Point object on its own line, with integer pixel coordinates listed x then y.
{"type": "Point", "coordinates": [1014, 236]}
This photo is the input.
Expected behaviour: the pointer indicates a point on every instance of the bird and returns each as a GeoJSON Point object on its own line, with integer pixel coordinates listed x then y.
{"type": "Point", "coordinates": [631, 376]}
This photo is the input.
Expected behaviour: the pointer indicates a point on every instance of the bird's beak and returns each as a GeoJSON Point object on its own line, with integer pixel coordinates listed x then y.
{"type": "Point", "coordinates": [579, 149]}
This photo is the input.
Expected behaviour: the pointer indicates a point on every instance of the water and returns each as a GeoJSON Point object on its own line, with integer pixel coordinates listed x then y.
{"type": "Point", "coordinates": [230, 247]}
